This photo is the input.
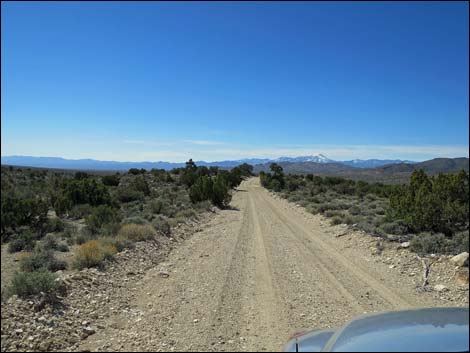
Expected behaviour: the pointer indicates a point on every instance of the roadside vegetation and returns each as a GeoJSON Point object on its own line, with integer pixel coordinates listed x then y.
{"type": "Point", "coordinates": [432, 212]}
{"type": "Point", "coordinates": [45, 213]}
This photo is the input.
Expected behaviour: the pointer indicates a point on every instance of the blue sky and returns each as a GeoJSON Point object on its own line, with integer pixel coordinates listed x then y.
{"type": "Point", "coordinates": [169, 81]}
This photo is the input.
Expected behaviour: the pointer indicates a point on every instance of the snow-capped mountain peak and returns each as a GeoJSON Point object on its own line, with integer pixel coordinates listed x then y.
{"type": "Point", "coordinates": [319, 158]}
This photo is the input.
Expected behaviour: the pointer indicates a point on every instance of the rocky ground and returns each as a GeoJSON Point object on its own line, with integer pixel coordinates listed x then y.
{"type": "Point", "coordinates": [243, 279]}
{"type": "Point", "coordinates": [92, 297]}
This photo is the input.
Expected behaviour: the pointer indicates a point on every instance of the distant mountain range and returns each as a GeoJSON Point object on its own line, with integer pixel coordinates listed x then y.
{"type": "Point", "coordinates": [92, 164]}
{"type": "Point", "coordinates": [373, 170]}
{"type": "Point", "coordinates": [388, 173]}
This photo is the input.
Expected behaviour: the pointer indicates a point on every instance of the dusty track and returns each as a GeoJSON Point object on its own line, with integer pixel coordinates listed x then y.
{"type": "Point", "coordinates": [258, 273]}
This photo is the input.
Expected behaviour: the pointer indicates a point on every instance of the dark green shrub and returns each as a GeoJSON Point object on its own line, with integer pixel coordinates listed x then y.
{"type": "Point", "coordinates": [42, 259]}
{"type": "Point", "coordinates": [111, 180]}
{"type": "Point", "coordinates": [55, 225]}
{"type": "Point", "coordinates": [80, 211]}
{"type": "Point", "coordinates": [459, 242]}
{"type": "Point", "coordinates": [100, 216]}
{"type": "Point", "coordinates": [26, 240]}
{"type": "Point", "coordinates": [62, 247]}
{"type": "Point", "coordinates": [354, 210]}
{"type": "Point", "coordinates": [336, 220]}
{"type": "Point", "coordinates": [25, 284]}
{"type": "Point", "coordinates": [126, 194]}
{"type": "Point", "coordinates": [50, 242]}
{"type": "Point", "coordinates": [156, 206]}
{"type": "Point", "coordinates": [162, 226]}
{"type": "Point", "coordinates": [429, 243]}
{"type": "Point", "coordinates": [220, 192]}
{"type": "Point", "coordinates": [140, 184]}
{"type": "Point", "coordinates": [397, 227]}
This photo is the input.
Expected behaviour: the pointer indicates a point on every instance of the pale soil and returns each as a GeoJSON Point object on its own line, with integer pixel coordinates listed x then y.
{"type": "Point", "coordinates": [256, 274]}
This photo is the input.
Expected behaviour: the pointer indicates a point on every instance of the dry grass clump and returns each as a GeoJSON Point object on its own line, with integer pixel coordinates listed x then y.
{"type": "Point", "coordinates": [137, 232]}
{"type": "Point", "coordinates": [93, 253]}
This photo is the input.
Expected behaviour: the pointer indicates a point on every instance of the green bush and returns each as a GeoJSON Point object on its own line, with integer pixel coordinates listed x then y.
{"type": "Point", "coordinates": [119, 242]}
{"type": "Point", "coordinates": [80, 211]}
{"type": "Point", "coordinates": [429, 243]}
{"type": "Point", "coordinates": [111, 180]}
{"type": "Point", "coordinates": [140, 184]}
{"type": "Point", "coordinates": [396, 227]}
{"type": "Point", "coordinates": [42, 259]}
{"type": "Point", "coordinates": [55, 225]}
{"type": "Point", "coordinates": [438, 204]}
{"type": "Point", "coordinates": [126, 194]}
{"type": "Point", "coordinates": [459, 242]}
{"type": "Point", "coordinates": [354, 210]}
{"type": "Point", "coordinates": [336, 220]}
{"type": "Point", "coordinates": [101, 216]}
{"type": "Point", "coordinates": [162, 226]}
{"type": "Point", "coordinates": [25, 284]}
{"type": "Point", "coordinates": [156, 206]}
{"type": "Point", "coordinates": [50, 242]}
{"type": "Point", "coordinates": [26, 240]}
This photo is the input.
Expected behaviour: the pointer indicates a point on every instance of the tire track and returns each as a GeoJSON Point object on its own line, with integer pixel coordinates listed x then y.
{"type": "Point", "coordinates": [320, 251]}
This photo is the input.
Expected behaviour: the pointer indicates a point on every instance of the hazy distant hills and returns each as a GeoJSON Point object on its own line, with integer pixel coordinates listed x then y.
{"type": "Point", "coordinates": [92, 164]}
{"type": "Point", "coordinates": [391, 173]}
{"type": "Point", "coordinates": [388, 171]}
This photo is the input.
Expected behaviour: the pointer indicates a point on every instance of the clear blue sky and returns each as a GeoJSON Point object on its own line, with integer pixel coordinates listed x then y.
{"type": "Point", "coordinates": [168, 81]}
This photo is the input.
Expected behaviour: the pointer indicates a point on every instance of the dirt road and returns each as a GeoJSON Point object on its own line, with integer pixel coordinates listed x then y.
{"type": "Point", "coordinates": [258, 273]}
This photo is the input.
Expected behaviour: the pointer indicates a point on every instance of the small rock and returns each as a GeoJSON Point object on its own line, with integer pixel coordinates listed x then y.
{"type": "Point", "coordinates": [196, 321]}
{"type": "Point", "coordinates": [460, 259]}
{"type": "Point", "coordinates": [440, 288]}
{"type": "Point", "coordinates": [405, 245]}
{"type": "Point", "coordinates": [164, 274]}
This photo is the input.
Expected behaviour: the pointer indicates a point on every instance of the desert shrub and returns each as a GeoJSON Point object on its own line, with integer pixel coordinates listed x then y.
{"type": "Point", "coordinates": [62, 247]}
{"type": "Point", "coordinates": [396, 227]}
{"type": "Point", "coordinates": [134, 220]}
{"type": "Point", "coordinates": [186, 213]}
{"type": "Point", "coordinates": [80, 211]}
{"type": "Point", "coordinates": [162, 226]}
{"type": "Point", "coordinates": [137, 232]}
{"type": "Point", "coordinates": [203, 205]}
{"type": "Point", "coordinates": [438, 204]}
{"type": "Point", "coordinates": [140, 184]}
{"type": "Point", "coordinates": [459, 242]}
{"type": "Point", "coordinates": [111, 180]}
{"type": "Point", "coordinates": [156, 206]}
{"type": "Point", "coordinates": [126, 194]}
{"type": "Point", "coordinates": [25, 284]}
{"type": "Point", "coordinates": [93, 253]}
{"type": "Point", "coordinates": [336, 220]}
{"type": "Point", "coordinates": [55, 225]}
{"type": "Point", "coordinates": [100, 216]}
{"type": "Point", "coordinates": [316, 199]}
{"type": "Point", "coordinates": [135, 171]}
{"type": "Point", "coordinates": [25, 240]}
{"type": "Point", "coordinates": [354, 210]}
{"type": "Point", "coordinates": [119, 242]}
{"type": "Point", "coordinates": [41, 259]}
{"type": "Point", "coordinates": [331, 213]}
{"type": "Point", "coordinates": [81, 191]}
{"type": "Point", "coordinates": [349, 220]}
{"type": "Point", "coordinates": [17, 211]}
{"type": "Point", "coordinates": [366, 226]}
{"type": "Point", "coordinates": [50, 242]}
{"type": "Point", "coordinates": [429, 243]}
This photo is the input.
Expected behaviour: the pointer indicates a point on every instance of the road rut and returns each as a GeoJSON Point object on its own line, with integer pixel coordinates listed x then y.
{"type": "Point", "coordinates": [259, 272]}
